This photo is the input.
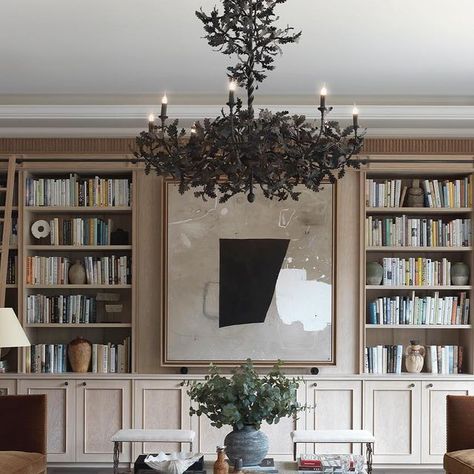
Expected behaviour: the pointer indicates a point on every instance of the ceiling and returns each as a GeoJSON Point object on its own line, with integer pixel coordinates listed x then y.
{"type": "Point", "coordinates": [90, 66]}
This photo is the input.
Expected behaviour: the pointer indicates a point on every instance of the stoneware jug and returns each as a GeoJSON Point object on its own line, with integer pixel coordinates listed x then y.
{"type": "Point", "coordinates": [460, 273]}
{"type": "Point", "coordinates": [373, 273]}
{"type": "Point", "coordinates": [80, 352]}
{"type": "Point", "coordinates": [414, 357]}
{"type": "Point", "coordinates": [77, 274]}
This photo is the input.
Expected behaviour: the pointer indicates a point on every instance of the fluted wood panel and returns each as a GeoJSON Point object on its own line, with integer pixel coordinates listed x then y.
{"type": "Point", "coordinates": [127, 145]}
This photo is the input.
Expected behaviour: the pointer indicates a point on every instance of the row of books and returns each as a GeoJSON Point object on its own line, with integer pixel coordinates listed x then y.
{"type": "Point", "coordinates": [437, 193]}
{"type": "Point", "coordinates": [61, 309]}
{"type": "Point", "coordinates": [80, 231]}
{"type": "Point", "coordinates": [53, 359]}
{"type": "Point", "coordinates": [444, 359]}
{"type": "Point", "coordinates": [111, 358]}
{"type": "Point", "coordinates": [47, 359]}
{"type": "Point", "coordinates": [407, 231]}
{"type": "Point", "coordinates": [109, 270]}
{"type": "Point", "coordinates": [438, 359]}
{"type": "Point", "coordinates": [416, 271]}
{"type": "Point", "coordinates": [383, 359]}
{"type": "Point", "coordinates": [78, 191]}
{"type": "Point", "coordinates": [415, 310]}
{"type": "Point", "coordinates": [106, 270]}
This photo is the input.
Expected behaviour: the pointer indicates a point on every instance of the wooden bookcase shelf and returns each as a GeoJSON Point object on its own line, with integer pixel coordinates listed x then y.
{"type": "Point", "coordinates": [390, 335]}
{"type": "Point", "coordinates": [111, 325]}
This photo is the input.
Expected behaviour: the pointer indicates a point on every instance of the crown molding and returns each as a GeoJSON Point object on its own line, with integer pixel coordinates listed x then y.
{"type": "Point", "coordinates": [195, 112]}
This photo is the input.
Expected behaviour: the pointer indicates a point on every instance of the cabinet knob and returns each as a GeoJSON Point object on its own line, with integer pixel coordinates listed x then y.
{"type": "Point", "coordinates": [84, 384]}
{"type": "Point", "coordinates": [315, 384]}
{"type": "Point", "coordinates": [430, 385]}
{"type": "Point", "coordinates": [66, 383]}
{"type": "Point", "coordinates": [411, 385]}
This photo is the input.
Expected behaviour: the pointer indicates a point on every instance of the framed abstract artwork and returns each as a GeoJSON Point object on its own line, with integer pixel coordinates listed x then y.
{"type": "Point", "coordinates": [248, 280]}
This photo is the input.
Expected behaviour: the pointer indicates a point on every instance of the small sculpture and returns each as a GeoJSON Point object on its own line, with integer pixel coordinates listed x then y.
{"type": "Point", "coordinates": [221, 466]}
{"type": "Point", "coordinates": [414, 357]}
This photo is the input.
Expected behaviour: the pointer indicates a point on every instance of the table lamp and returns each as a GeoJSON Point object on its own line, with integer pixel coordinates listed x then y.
{"type": "Point", "coordinates": [11, 332]}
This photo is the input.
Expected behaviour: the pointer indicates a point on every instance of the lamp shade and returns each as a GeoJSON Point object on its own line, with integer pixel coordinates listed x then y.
{"type": "Point", "coordinates": [11, 332]}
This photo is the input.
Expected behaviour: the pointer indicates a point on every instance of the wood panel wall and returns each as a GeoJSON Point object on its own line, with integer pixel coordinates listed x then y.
{"type": "Point", "coordinates": [147, 331]}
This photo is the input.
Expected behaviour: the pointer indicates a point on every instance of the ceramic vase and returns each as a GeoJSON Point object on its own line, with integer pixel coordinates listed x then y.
{"type": "Point", "coordinates": [459, 273]}
{"type": "Point", "coordinates": [415, 195]}
{"type": "Point", "coordinates": [414, 357]}
{"type": "Point", "coordinates": [373, 273]}
{"type": "Point", "coordinates": [80, 353]}
{"type": "Point", "coordinates": [221, 466]}
{"type": "Point", "coordinates": [248, 444]}
{"type": "Point", "coordinates": [77, 273]}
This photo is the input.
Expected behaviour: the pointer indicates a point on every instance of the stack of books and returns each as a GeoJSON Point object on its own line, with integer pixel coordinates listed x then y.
{"type": "Point", "coordinates": [111, 358]}
{"type": "Point", "coordinates": [78, 191]}
{"type": "Point", "coordinates": [11, 269]}
{"type": "Point", "coordinates": [61, 309]}
{"type": "Point", "coordinates": [404, 231]}
{"type": "Point", "coordinates": [383, 359]}
{"type": "Point", "coordinates": [418, 310]}
{"type": "Point", "coordinates": [416, 272]}
{"type": "Point", "coordinates": [80, 231]}
{"type": "Point", "coordinates": [311, 463]}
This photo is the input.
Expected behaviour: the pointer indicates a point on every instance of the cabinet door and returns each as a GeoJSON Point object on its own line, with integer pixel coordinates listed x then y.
{"type": "Point", "coordinates": [335, 405]}
{"type": "Point", "coordinates": [61, 414]}
{"type": "Point", "coordinates": [103, 408]}
{"type": "Point", "coordinates": [160, 404]}
{"type": "Point", "coordinates": [433, 438]}
{"type": "Point", "coordinates": [7, 387]}
{"type": "Point", "coordinates": [392, 412]}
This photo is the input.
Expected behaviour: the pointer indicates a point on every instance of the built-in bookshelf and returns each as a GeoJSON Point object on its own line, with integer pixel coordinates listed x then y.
{"type": "Point", "coordinates": [416, 225]}
{"type": "Point", "coordinates": [88, 213]}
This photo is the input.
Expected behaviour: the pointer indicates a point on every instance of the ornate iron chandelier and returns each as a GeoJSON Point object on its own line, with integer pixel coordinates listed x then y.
{"type": "Point", "coordinates": [240, 150]}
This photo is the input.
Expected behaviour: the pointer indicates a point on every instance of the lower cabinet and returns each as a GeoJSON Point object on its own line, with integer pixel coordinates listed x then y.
{"type": "Point", "coordinates": [7, 387]}
{"type": "Point", "coordinates": [334, 405]}
{"type": "Point", "coordinates": [160, 404]}
{"type": "Point", "coordinates": [392, 412]}
{"type": "Point", "coordinates": [61, 405]}
{"type": "Point", "coordinates": [103, 407]}
{"type": "Point", "coordinates": [82, 417]}
{"type": "Point", "coordinates": [433, 438]}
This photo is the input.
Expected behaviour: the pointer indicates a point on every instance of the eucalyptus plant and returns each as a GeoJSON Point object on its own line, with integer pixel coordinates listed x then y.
{"type": "Point", "coordinates": [245, 398]}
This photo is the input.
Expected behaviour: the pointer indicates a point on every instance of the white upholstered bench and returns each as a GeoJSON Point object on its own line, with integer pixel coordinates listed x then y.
{"type": "Point", "coordinates": [149, 436]}
{"type": "Point", "coordinates": [335, 436]}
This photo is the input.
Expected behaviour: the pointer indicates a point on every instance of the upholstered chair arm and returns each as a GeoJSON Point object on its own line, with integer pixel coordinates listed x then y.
{"type": "Point", "coordinates": [23, 423]}
{"type": "Point", "coordinates": [460, 422]}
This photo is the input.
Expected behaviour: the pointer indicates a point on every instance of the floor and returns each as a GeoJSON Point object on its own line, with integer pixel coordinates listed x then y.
{"type": "Point", "coordinates": [109, 471]}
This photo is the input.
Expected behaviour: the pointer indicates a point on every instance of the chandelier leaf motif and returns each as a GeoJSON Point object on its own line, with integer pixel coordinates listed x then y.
{"type": "Point", "coordinates": [240, 151]}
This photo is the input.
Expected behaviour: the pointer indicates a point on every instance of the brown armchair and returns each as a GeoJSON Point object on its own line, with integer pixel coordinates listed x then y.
{"type": "Point", "coordinates": [23, 434]}
{"type": "Point", "coordinates": [459, 458]}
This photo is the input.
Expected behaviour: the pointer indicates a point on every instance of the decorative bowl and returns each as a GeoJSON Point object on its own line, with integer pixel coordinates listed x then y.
{"type": "Point", "coordinates": [172, 463]}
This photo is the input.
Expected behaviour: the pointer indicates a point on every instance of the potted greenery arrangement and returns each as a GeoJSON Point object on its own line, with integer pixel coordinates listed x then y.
{"type": "Point", "coordinates": [244, 401]}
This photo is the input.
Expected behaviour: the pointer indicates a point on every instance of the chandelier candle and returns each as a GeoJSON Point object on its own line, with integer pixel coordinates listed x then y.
{"type": "Point", "coordinates": [151, 123]}
{"type": "Point", "coordinates": [355, 118]}
{"type": "Point", "coordinates": [242, 150]}
{"type": "Point", "coordinates": [164, 106]}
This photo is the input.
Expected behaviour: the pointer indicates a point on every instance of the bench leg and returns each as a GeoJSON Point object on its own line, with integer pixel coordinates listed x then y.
{"type": "Point", "coordinates": [117, 448]}
{"type": "Point", "coordinates": [294, 451]}
{"type": "Point", "coordinates": [369, 458]}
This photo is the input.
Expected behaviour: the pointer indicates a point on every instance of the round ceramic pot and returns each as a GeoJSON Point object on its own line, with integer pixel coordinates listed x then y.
{"type": "Point", "coordinates": [248, 444]}
{"type": "Point", "coordinates": [373, 273]}
{"type": "Point", "coordinates": [77, 274]}
{"type": "Point", "coordinates": [459, 273]}
{"type": "Point", "coordinates": [80, 353]}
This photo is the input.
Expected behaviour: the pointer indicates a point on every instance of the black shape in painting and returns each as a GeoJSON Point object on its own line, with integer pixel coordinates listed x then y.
{"type": "Point", "coordinates": [248, 274]}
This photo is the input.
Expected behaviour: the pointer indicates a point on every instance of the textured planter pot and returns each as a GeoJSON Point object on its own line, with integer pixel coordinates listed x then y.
{"type": "Point", "coordinates": [77, 274]}
{"type": "Point", "coordinates": [373, 273]}
{"type": "Point", "coordinates": [79, 352]}
{"type": "Point", "coordinates": [248, 444]}
{"type": "Point", "coordinates": [459, 273]}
